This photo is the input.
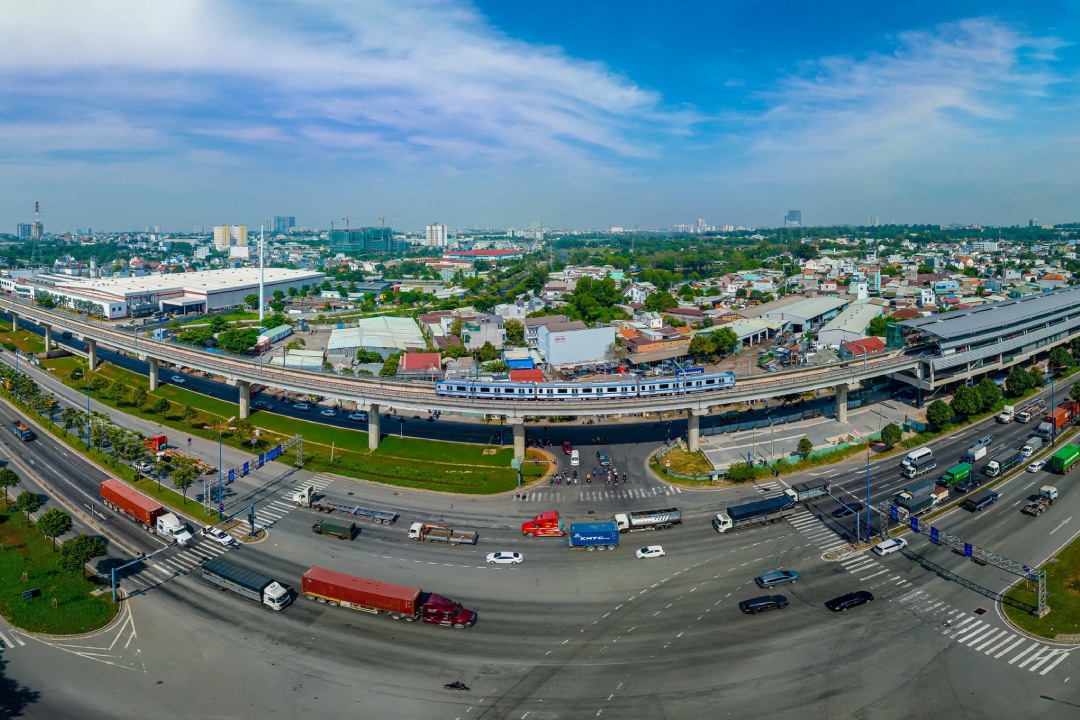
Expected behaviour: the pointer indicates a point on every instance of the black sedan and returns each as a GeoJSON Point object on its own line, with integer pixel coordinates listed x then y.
{"type": "Point", "coordinates": [844, 510]}
{"type": "Point", "coordinates": [853, 599]}
{"type": "Point", "coordinates": [766, 602]}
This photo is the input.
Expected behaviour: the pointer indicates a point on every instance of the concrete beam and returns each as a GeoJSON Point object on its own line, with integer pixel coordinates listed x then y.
{"type": "Point", "coordinates": [373, 427]}
{"type": "Point", "coordinates": [518, 426]}
{"type": "Point", "coordinates": [48, 338]}
{"type": "Point", "coordinates": [243, 388]}
{"type": "Point", "coordinates": [91, 351]}
{"type": "Point", "coordinates": [841, 403]}
{"type": "Point", "coordinates": [153, 363]}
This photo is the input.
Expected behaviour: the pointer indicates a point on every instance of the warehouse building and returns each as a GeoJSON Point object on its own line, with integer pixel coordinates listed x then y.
{"type": "Point", "coordinates": [180, 293]}
{"type": "Point", "coordinates": [849, 325]}
{"type": "Point", "coordinates": [384, 335]}
{"type": "Point", "coordinates": [573, 343]}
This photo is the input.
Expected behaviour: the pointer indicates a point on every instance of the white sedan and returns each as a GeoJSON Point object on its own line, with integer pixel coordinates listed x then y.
{"type": "Point", "coordinates": [144, 467]}
{"type": "Point", "coordinates": [505, 558]}
{"type": "Point", "coordinates": [328, 412]}
{"type": "Point", "coordinates": [651, 551]}
{"type": "Point", "coordinates": [219, 536]}
{"type": "Point", "coordinates": [178, 379]}
{"type": "Point", "coordinates": [1036, 466]}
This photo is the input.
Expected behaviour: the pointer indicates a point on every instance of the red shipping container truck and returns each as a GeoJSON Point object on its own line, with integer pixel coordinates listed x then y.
{"type": "Point", "coordinates": [131, 502]}
{"type": "Point", "coordinates": [546, 524]}
{"type": "Point", "coordinates": [373, 596]}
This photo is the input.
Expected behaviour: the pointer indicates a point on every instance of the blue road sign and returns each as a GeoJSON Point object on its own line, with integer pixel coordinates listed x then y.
{"type": "Point", "coordinates": [967, 549]}
{"type": "Point", "coordinates": [934, 534]}
{"type": "Point", "coordinates": [915, 524]}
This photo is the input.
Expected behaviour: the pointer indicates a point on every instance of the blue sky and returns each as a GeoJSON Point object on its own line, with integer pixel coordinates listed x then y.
{"type": "Point", "coordinates": [118, 114]}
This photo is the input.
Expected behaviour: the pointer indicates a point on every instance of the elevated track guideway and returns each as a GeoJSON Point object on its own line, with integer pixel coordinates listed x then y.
{"type": "Point", "coordinates": [420, 396]}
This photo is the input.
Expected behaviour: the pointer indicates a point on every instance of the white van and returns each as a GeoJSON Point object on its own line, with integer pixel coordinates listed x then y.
{"type": "Point", "coordinates": [923, 453]}
{"type": "Point", "coordinates": [575, 458]}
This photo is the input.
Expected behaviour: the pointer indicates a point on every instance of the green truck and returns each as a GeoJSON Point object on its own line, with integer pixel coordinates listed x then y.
{"type": "Point", "coordinates": [956, 474]}
{"type": "Point", "coordinates": [344, 531]}
{"type": "Point", "coordinates": [1064, 459]}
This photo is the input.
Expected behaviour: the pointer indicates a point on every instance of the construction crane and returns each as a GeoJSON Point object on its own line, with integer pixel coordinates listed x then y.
{"type": "Point", "coordinates": [383, 218]}
{"type": "Point", "coordinates": [346, 219]}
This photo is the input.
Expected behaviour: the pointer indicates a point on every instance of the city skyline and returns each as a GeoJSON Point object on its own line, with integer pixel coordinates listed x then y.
{"type": "Point", "coordinates": [492, 114]}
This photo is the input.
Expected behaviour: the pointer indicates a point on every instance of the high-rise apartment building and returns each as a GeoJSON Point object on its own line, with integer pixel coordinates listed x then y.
{"type": "Point", "coordinates": [793, 218]}
{"type": "Point", "coordinates": [226, 236]}
{"type": "Point", "coordinates": [436, 235]}
{"type": "Point", "coordinates": [282, 224]}
{"type": "Point", "coordinates": [24, 230]}
{"type": "Point", "coordinates": [365, 240]}
{"type": "Point", "coordinates": [873, 221]}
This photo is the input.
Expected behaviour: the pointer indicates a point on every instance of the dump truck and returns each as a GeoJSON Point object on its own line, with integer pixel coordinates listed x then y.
{"type": "Point", "coordinates": [131, 503]}
{"type": "Point", "coordinates": [442, 533]}
{"type": "Point", "coordinates": [918, 468]}
{"type": "Point", "coordinates": [341, 530]}
{"type": "Point", "coordinates": [955, 474]}
{"type": "Point", "coordinates": [1047, 495]}
{"type": "Point", "coordinates": [1004, 462]}
{"type": "Point", "coordinates": [807, 491]}
{"type": "Point", "coordinates": [1064, 459]}
{"type": "Point", "coordinates": [307, 497]}
{"type": "Point", "coordinates": [648, 520]}
{"type": "Point", "coordinates": [546, 524]}
{"type": "Point", "coordinates": [246, 583]}
{"type": "Point", "coordinates": [21, 431]}
{"type": "Point", "coordinates": [759, 512]}
{"type": "Point", "coordinates": [398, 601]}
{"type": "Point", "coordinates": [594, 536]}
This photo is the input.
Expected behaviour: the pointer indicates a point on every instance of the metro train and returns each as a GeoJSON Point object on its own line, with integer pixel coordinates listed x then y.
{"type": "Point", "coordinates": [583, 391]}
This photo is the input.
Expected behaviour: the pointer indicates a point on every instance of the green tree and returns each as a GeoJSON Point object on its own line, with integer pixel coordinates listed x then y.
{"type": "Point", "coordinates": [702, 345]}
{"type": "Point", "coordinates": [454, 351]}
{"type": "Point", "coordinates": [27, 502]}
{"type": "Point", "coordinates": [252, 300]}
{"type": "Point", "coordinates": [162, 405]}
{"type": "Point", "coordinates": [1060, 358]}
{"type": "Point", "coordinates": [740, 472]}
{"type": "Point", "coordinates": [966, 402]}
{"type": "Point", "coordinates": [117, 391]}
{"type": "Point", "coordinates": [76, 552]}
{"type": "Point", "coordinates": [138, 397]}
{"type": "Point", "coordinates": [878, 327]}
{"type": "Point", "coordinates": [237, 340]}
{"type": "Point", "coordinates": [1036, 374]}
{"type": "Point", "coordinates": [1074, 393]}
{"type": "Point", "coordinates": [891, 434]}
{"type": "Point", "coordinates": [939, 414]}
{"type": "Point", "coordinates": [184, 473]}
{"type": "Point", "coordinates": [8, 479]}
{"type": "Point", "coordinates": [279, 295]}
{"type": "Point", "coordinates": [805, 446]}
{"type": "Point", "coordinates": [53, 523]}
{"type": "Point", "coordinates": [657, 301]}
{"type": "Point", "coordinates": [188, 413]}
{"type": "Point", "coordinates": [67, 417]}
{"type": "Point", "coordinates": [726, 340]}
{"type": "Point", "coordinates": [1018, 382]}
{"type": "Point", "coordinates": [487, 352]}
{"type": "Point", "coordinates": [390, 366]}
{"type": "Point", "coordinates": [989, 394]}
{"type": "Point", "coordinates": [98, 383]}
{"type": "Point", "coordinates": [515, 332]}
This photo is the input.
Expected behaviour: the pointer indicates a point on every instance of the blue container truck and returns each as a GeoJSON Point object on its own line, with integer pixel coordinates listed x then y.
{"type": "Point", "coordinates": [594, 536]}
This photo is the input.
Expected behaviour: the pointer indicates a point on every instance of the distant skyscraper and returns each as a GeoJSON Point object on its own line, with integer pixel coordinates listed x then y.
{"type": "Point", "coordinates": [282, 224]}
{"type": "Point", "coordinates": [873, 221]}
{"type": "Point", "coordinates": [25, 230]}
{"type": "Point", "coordinates": [365, 240]}
{"type": "Point", "coordinates": [37, 229]}
{"type": "Point", "coordinates": [230, 236]}
{"type": "Point", "coordinates": [793, 218]}
{"type": "Point", "coordinates": [1033, 222]}
{"type": "Point", "coordinates": [436, 235]}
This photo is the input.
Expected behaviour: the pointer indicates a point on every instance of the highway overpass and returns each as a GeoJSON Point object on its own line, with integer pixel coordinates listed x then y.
{"type": "Point", "coordinates": [376, 394]}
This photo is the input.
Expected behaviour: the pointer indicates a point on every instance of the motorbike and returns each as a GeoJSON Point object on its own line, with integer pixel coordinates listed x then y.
{"type": "Point", "coordinates": [456, 685]}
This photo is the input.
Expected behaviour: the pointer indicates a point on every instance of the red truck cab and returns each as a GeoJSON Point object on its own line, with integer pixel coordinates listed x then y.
{"type": "Point", "coordinates": [157, 443]}
{"type": "Point", "coordinates": [546, 524]}
{"type": "Point", "coordinates": [437, 610]}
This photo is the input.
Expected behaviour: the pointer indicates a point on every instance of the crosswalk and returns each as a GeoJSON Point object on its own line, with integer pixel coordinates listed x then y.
{"type": "Point", "coordinates": [9, 639]}
{"type": "Point", "coordinates": [162, 568]}
{"type": "Point", "coordinates": [559, 493]}
{"type": "Point", "coordinates": [815, 530]}
{"type": "Point", "coordinates": [970, 630]}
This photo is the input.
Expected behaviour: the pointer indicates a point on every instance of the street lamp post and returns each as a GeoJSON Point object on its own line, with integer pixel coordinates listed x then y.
{"type": "Point", "coordinates": [88, 416]}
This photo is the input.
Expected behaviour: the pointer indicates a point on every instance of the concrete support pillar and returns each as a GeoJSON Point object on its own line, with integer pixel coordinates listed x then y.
{"type": "Point", "coordinates": [48, 338]}
{"type": "Point", "coordinates": [841, 403]}
{"type": "Point", "coordinates": [14, 321]}
{"type": "Point", "coordinates": [518, 426]}
{"type": "Point", "coordinates": [91, 351]}
{"type": "Point", "coordinates": [693, 429]}
{"type": "Point", "coordinates": [153, 363]}
{"type": "Point", "coordinates": [243, 388]}
{"type": "Point", "coordinates": [373, 427]}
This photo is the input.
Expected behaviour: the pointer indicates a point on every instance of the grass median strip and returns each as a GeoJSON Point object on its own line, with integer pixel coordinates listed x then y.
{"type": "Point", "coordinates": [65, 605]}
{"type": "Point", "coordinates": [1062, 595]}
